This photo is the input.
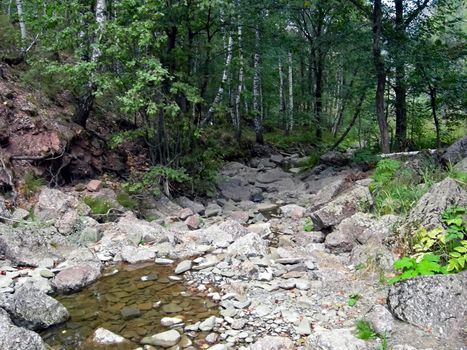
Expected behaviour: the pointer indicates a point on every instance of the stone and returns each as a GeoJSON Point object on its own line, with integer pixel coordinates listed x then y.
{"type": "Point", "coordinates": [335, 339]}
{"type": "Point", "coordinates": [18, 214]}
{"type": "Point", "coordinates": [233, 228]}
{"type": "Point", "coordinates": [183, 266]}
{"type": "Point", "coordinates": [250, 245]}
{"type": "Point", "coordinates": [293, 211]}
{"type": "Point", "coordinates": [270, 176]}
{"type": "Point", "coordinates": [17, 338]}
{"type": "Point", "coordinates": [373, 255]}
{"type": "Point", "coordinates": [102, 336]}
{"type": "Point", "coordinates": [427, 212]}
{"type": "Point", "coordinates": [208, 324]}
{"type": "Point", "coordinates": [262, 229]}
{"type": "Point", "coordinates": [303, 327]}
{"type": "Point", "coordinates": [267, 207]}
{"type": "Point", "coordinates": [4, 212]}
{"type": "Point", "coordinates": [73, 279]}
{"type": "Point", "coordinates": [171, 308]}
{"type": "Point", "coordinates": [170, 321]}
{"type": "Point", "coordinates": [436, 303]}
{"type": "Point", "coordinates": [344, 206]}
{"type": "Point", "coordinates": [211, 338]}
{"type": "Point", "coordinates": [235, 188]}
{"type": "Point", "coordinates": [164, 339]}
{"type": "Point", "coordinates": [193, 222]}
{"type": "Point", "coordinates": [219, 347]}
{"type": "Point", "coordinates": [196, 207]}
{"type": "Point", "coordinates": [380, 319]}
{"type": "Point", "coordinates": [136, 255]}
{"type": "Point", "coordinates": [273, 343]}
{"type": "Point", "coordinates": [185, 213]}
{"type": "Point", "coordinates": [212, 210]}
{"type": "Point", "coordinates": [47, 274]}
{"type": "Point", "coordinates": [460, 166]}
{"type": "Point", "coordinates": [33, 309]}
{"type": "Point", "coordinates": [456, 151]}
{"type": "Point", "coordinates": [377, 230]}
{"type": "Point", "coordinates": [335, 158]}
{"type": "Point", "coordinates": [277, 158]}
{"type": "Point", "coordinates": [94, 185]}
{"type": "Point", "coordinates": [129, 312]}
{"type": "Point", "coordinates": [164, 261]}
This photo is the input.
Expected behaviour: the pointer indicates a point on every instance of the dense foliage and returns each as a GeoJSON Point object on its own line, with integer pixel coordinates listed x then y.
{"type": "Point", "coordinates": [175, 73]}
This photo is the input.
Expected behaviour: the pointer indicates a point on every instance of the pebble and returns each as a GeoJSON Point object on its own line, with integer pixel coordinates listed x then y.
{"type": "Point", "coordinates": [170, 321]}
{"type": "Point", "coordinates": [164, 261]}
{"type": "Point", "coordinates": [183, 266]}
{"type": "Point", "coordinates": [208, 324]}
{"type": "Point", "coordinates": [47, 274]}
{"type": "Point", "coordinates": [211, 338]}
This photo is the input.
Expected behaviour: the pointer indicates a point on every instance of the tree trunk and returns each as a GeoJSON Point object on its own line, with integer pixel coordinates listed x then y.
{"type": "Point", "coordinates": [225, 75]}
{"type": "Point", "coordinates": [86, 100]}
{"type": "Point", "coordinates": [256, 89]}
{"type": "Point", "coordinates": [290, 114]}
{"type": "Point", "coordinates": [22, 24]}
{"type": "Point", "coordinates": [282, 110]}
{"type": "Point", "coordinates": [400, 88]}
{"type": "Point", "coordinates": [241, 82]}
{"type": "Point", "coordinates": [380, 75]}
{"type": "Point", "coordinates": [318, 70]}
{"type": "Point", "coordinates": [435, 116]}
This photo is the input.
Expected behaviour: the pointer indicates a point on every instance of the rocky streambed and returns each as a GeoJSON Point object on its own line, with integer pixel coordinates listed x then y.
{"type": "Point", "coordinates": [245, 270]}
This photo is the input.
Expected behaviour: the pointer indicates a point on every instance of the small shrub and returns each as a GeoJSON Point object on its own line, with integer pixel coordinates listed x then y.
{"type": "Point", "coordinates": [364, 330]}
{"type": "Point", "coordinates": [353, 298]}
{"type": "Point", "coordinates": [308, 226]}
{"type": "Point", "coordinates": [98, 205]}
{"type": "Point", "coordinates": [32, 184]}
{"type": "Point", "coordinates": [364, 156]}
{"type": "Point", "coordinates": [127, 201]}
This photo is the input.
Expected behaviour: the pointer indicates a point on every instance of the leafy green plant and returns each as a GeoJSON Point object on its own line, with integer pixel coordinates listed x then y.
{"type": "Point", "coordinates": [98, 205]}
{"type": "Point", "coordinates": [458, 258]}
{"type": "Point", "coordinates": [126, 200]}
{"type": "Point", "coordinates": [308, 225]}
{"type": "Point", "coordinates": [364, 330]}
{"type": "Point", "coordinates": [310, 162]}
{"type": "Point", "coordinates": [32, 184]}
{"type": "Point", "coordinates": [353, 299]}
{"type": "Point", "coordinates": [428, 264]}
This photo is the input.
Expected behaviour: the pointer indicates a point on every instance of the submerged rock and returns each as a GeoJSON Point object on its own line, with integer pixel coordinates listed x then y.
{"type": "Point", "coordinates": [33, 309]}
{"type": "Point", "coordinates": [17, 338]}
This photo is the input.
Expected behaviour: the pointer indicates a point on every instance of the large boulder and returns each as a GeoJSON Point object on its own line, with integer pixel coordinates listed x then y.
{"type": "Point", "coordinates": [456, 152]}
{"type": "Point", "coordinates": [344, 237]}
{"type": "Point", "coordinates": [75, 278]}
{"type": "Point", "coordinates": [33, 309]}
{"type": "Point", "coordinates": [236, 188]}
{"type": "Point", "coordinates": [335, 339]}
{"type": "Point", "coordinates": [250, 245]}
{"type": "Point", "coordinates": [273, 343]}
{"type": "Point", "coordinates": [33, 246]}
{"type": "Point", "coordinates": [434, 303]}
{"type": "Point", "coordinates": [185, 202]}
{"type": "Point", "coordinates": [373, 256]}
{"type": "Point", "coordinates": [60, 209]}
{"type": "Point", "coordinates": [342, 207]}
{"type": "Point", "coordinates": [427, 212]}
{"type": "Point", "coordinates": [17, 338]}
{"type": "Point", "coordinates": [335, 158]}
{"type": "Point", "coordinates": [135, 255]}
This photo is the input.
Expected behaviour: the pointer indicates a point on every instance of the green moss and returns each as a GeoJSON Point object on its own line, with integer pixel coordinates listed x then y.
{"type": "Point", "coordinates": [98, 205]}
{"type": "Point", "coordinates": [127, 201]}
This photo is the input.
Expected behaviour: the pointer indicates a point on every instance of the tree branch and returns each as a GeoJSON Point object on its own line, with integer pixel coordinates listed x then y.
{"type": "Point", "coordinates": [415, 13]}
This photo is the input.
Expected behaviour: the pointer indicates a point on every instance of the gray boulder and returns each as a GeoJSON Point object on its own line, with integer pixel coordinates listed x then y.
{"type": "Point", "coordinates": [273, 343]}
{"type": "Point", "coordinates": [135, 255]}
{"type": "Point", "coordinates": [456, 151]}
{"type": "Point", "coordinates": [342, 207]}
{"type": "Point", "coordinates": [441, 196]}
{"type": "Point", "coordinates": [250, 245]}
{"type": "Point", "coordinates": [380, 319]}
{"type": "Point", "coordinates": [335, 158]}
{"type": "Point", "coordinates": [188, 203]}
{"type": "Point", "coordinates": [335, 339]}
{"type": "Point", "coordinates": [75, 278]}
{"type": "Point", "coordinates": [434, 303]}
{"type": "Point", "coordinates": [372, 256]}
{"type": "Point", "coordinates": [17, 338]}
{"type": "Point", "coordinates": [462, 165]}
{"type": "Point", "coordinates": [33, 309]}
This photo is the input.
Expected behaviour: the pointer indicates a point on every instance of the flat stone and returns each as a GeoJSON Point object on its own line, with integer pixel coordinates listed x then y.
{"type": "Point", "coordinates": [171, 308]}
{"type": "Point", "coordinates": [164, 261]}
{"type": "Point", "coordinates": [183, 266]}
{"type": "Point", "coordinates": [208, 324]}
{"type": "Point", "coordinates": [164, 339]}
{"type": "Point", "coordinates": [129, 312]}
{"type": "Point", "coordinates": [47, 274]}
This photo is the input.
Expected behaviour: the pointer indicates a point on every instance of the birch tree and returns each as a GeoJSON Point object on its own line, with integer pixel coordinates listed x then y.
{"type": "Point", "coordinates": [257, 89]}
{"type": "Point", "coordinates": [290, 114]}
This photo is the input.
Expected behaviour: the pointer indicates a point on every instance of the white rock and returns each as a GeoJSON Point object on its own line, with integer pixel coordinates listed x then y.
{"type": "Point", "coordinates": [183, 266]}
{"type": "Point", "coordinates": [208, 324]}
{"type": "Point", "coordinates": [105, 337]}
{"type": "Point", "coordinates": [164, 339]}
{"type": "Point", "coordinates": [170, 321]}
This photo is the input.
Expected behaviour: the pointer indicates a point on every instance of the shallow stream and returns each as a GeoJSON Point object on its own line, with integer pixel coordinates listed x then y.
{"type": "Point", "coordinates": [101, 305]}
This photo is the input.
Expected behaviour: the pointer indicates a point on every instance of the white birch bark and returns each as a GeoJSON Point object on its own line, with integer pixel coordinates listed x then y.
{"type": "Point", "coordinates": [290, 121]}
{"type": "Point", "coordinates": [282, 110]}
{"type": "Point", "coordinates": [241, 81]}
{"type": "Point", "coordinates": [101, 8]}
{"type": "Point", "coordinates": [256, 87]}
{"type": "Point", "coordinates": [22, 24]}
{"type": "Point", "coordinates": [225, 74]}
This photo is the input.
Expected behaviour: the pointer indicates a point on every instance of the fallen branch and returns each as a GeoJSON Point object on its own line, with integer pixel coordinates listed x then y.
{"type": "Point", "coordinates": [402, 154]}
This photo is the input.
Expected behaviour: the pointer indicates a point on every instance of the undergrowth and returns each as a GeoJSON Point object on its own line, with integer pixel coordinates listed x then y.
{"type": "Point", "coordinates": [31, 184]}
{"type": "Point", "coordinates": [98, 205]}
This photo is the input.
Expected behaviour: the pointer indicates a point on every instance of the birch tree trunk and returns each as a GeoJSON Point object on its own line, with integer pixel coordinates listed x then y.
{"type": "Point", "coordinates": [241, 82]}
{"type": "Point", "coordinates": [86, 101]}
{"type": "Point", "coordinates": [290, 115]}
{"type": "Point", "coordinates": [282, 110]}
{"type": "Point", "coordinates": [22, 24]}
{"type": "Point", "coordinates": [256, 89]}
{"type": "Point", "coordinates": [225, 74]}
{"type": "Point", "coordinates": [380, 75]}
{"type": "Point", "coordinates": [400, 88]}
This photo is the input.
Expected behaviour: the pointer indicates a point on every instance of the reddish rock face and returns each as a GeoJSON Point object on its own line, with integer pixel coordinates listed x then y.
{"type": "Point", "coordinates": [34, 144]}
